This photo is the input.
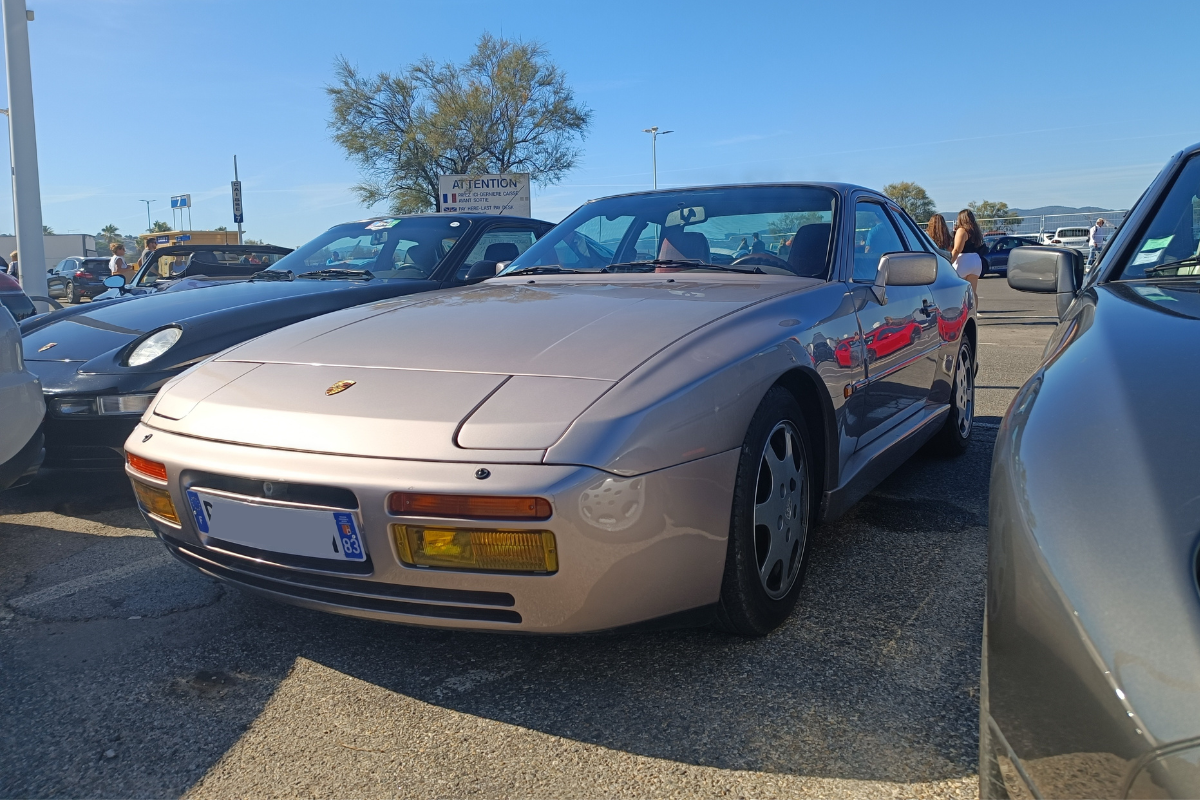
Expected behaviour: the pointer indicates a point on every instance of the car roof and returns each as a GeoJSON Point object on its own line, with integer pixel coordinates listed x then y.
{"type": "Point", "coordinates": [472, 216]}
{"type": "Point", "coordinates": [841, 188]}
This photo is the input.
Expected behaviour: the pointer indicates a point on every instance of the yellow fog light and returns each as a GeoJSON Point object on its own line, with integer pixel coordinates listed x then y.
{"type": "Point", "coordinates": [468, 548]}
{"type": "Point", "coordinates": [155, 501]}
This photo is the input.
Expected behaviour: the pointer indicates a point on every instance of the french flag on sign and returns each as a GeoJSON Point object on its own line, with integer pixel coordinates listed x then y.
{"type": "Point", "coordinates": [453, 197]}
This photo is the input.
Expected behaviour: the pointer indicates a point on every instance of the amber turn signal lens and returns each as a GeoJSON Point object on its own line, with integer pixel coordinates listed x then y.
{"type": "Point", "coordinates": [147, 467]}
{"type": "Point", "coordinates": [467, 506]}
{"type": "Point", "coordinates": [155, 500]}
{"type": "Point", "coordinates": [483, 550]}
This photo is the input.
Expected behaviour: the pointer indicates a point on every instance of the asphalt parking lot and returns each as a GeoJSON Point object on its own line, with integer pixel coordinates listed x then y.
{"type": "Point", "coordinates": [126, 674]}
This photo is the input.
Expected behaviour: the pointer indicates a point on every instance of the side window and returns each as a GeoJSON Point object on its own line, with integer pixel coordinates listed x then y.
{"type": "Point", "coordinates": [874, 235]}
{"type": "Point", "coordinates": [916, 241]}
{"type": "Point", "coordinates": [498, 244]}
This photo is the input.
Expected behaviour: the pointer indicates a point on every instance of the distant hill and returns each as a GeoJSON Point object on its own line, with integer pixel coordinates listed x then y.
{"type": "Point", "coordinates": [1037, 212]}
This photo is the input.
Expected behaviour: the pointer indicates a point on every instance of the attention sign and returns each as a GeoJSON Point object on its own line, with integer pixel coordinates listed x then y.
{"type": "Point", "coordinates": [485, 194]}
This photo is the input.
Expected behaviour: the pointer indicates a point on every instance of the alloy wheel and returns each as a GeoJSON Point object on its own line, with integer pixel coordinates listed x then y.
{"type": "Point", "coordinates": [780, 510]}
{"type": "Point", "coordinates": [964, 391]}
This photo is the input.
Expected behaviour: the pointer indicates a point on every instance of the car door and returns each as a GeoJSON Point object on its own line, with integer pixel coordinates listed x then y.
{"type": "Point", "coordinates": [998, 254]}
{"type": "Point", "coordinates": [900, 336]}
{"type": "Point", "coordinates": [55, 282]}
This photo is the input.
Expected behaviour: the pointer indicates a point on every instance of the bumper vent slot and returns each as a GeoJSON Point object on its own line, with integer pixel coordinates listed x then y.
{"type": "Point", "coordinates": [420, 601]}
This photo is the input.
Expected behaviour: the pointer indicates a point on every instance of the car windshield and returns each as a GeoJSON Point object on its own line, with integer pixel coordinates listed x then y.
{"type": "Point", "coordinates": [209, 262]}
{"type": "Point", "coordinates": [399, 247]}
{"type": "Point", "coordinates": [1169, 245]}
{"type": "Point", "coordinates": [780, 230]}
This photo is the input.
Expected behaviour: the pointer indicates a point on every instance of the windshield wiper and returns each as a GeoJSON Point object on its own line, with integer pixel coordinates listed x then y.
{"type": "Point", "coordinates": [550, 270]}
{"type": "Point", "coordinates": [1183, 262]}
{"type": "Point", "coordinates": [690, 263]}
{"type": "Point", "coordinates": [273, 275]}
{"type": "Point", "coordinates": [335, 272]}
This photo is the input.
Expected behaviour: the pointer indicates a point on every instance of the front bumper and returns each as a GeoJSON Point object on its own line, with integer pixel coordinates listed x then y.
{"type": "Point", "coordinates": [662, 552]}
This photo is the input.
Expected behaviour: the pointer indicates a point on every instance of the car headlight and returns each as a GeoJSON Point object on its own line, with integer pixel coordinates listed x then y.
{"type": "Point", "coordinates": [154, 346]}
{"type": "Point", "coordinates": [124, 403]}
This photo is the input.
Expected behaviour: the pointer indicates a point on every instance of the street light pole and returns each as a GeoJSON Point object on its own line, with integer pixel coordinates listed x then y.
{"type": "Point", "coordinates": [654, 134]}
{"type": "Point", "coordinates": [148, 202]}
{"type": "Point", "coordinates": [22, 138]}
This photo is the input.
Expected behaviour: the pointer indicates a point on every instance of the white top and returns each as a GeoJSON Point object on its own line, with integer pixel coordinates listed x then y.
{"type": "Point", "coordinates": [116, 263]}
{"type": "Point", "coordinates": [1097, 235]}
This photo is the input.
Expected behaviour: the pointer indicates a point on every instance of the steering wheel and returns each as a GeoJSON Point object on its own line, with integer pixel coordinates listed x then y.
{"type": "Point", "coordinates": [762, 260]}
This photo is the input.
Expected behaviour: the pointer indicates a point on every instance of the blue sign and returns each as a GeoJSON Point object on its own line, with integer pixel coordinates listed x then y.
{"type": "Point", "coordinates": [183, 237]}
{"type": "Point", "coordinates": [181, 201]}
{"type": "Point", "coordinates": [162, 239]}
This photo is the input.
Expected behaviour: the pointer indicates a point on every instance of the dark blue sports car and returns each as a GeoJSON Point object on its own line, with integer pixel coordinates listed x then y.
{"type": "Point", "coordinates": [100, 364]}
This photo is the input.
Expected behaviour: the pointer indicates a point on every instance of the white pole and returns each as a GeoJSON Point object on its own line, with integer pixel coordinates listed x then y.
{"type": "Point", "coordinates": [27, 193]}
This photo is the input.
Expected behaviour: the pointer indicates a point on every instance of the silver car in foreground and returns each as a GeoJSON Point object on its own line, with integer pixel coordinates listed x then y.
{"type": "Point", "coordinates": [1091, 658]}
{"type": "Point", "coordinates": [639, 419]}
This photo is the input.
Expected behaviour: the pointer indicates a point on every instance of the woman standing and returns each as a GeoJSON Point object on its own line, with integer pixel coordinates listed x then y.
{"type": "Point", "coordinates": [965, 253]}
{"type": "Point", "coordinates": [116, 264]}
{"type": "Point", "coordinates": [937, 230]}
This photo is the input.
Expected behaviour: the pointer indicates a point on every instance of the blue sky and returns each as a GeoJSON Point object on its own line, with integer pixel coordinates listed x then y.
{"type": "Point", "coordinates": [1028, 103]}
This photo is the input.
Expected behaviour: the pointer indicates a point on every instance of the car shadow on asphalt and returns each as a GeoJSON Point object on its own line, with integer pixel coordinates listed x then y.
{"type": "Point", "coordinates": [874, 677]}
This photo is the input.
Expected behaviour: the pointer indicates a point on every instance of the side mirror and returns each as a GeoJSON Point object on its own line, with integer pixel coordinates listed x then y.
{"type": "Point", "coordinates": [115, 282]}
{"type": "Point", "coordinates": [1046, 270]}
{"type": "Point", "coordinates": [903, 269]}
{"type": "Point", "coordinates": [910, 269]}
{"type": "Point", "coordinates": [481, 270]}
{"type": "Point", "coordinates": [501, 265]}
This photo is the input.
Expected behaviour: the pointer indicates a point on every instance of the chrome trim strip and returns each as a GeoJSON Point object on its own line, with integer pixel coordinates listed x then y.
{"type": "Point", "coordinates": [907, 363]}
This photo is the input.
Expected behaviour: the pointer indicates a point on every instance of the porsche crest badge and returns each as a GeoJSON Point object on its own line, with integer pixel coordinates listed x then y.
{"type": "Point", "coordinates": [339, 387]}
{"type": "Point", "coordinates": [46, 347]}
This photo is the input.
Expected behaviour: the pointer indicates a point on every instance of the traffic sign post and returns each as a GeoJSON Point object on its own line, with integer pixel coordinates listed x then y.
{"type": "Point", "coordinates": [182, 201]}
{"type": "Point", "coordinates": [237, 200]}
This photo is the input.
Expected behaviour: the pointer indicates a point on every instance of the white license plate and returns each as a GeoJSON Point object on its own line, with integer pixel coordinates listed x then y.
{"type": "Point", "coordinates": [308, 532]}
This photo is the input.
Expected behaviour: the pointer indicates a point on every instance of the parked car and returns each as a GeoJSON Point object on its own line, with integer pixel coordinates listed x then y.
{"type": "Point", "coordinates": [101, 363]}
{"type": "Point", "coordinates": [21, 409]}
{"type": "Point", "coordinates": [13, 298]}
{"type": "Point", "coordinates": [1092, 633]}
{"type": "Point", "coordinates": [590, 440]}
{"type": "Point", "coordinates": [1000, 247]}
{"type": "Point", "coordinates": [1076, 238]}
{"type": "Point", "coordinates": [191, 267]}
{"type": "Point", "coordinates": [77, 278]}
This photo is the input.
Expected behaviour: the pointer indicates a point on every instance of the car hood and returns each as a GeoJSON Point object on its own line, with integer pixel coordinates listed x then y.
{"type": "Point", "coordinates": [498, 371]}
{"type": "Point", "coordinates": [587, 329]}
{"type": "Point", "coordinates": [82, 333]}
{"type": "Point", "coordinates": [1102, 444]}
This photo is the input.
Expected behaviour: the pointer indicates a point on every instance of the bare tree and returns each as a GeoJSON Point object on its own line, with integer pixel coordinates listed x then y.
{"type": "Point", "coordinates": [507, 109]}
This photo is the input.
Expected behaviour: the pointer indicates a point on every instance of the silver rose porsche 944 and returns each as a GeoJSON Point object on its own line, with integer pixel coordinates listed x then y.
{"type": "Point", "coordinates": [639, 419]}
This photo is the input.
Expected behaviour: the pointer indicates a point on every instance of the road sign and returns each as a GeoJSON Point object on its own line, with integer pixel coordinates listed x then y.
{"type": "Point", "coordinates": [181, 201]}
{"type": "Point", "coordinates": [237, 201]}
{"type": "Point", "coordinates": [485, 194]}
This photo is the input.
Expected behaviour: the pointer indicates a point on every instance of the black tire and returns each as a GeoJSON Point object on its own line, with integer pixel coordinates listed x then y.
{"type": "Point", "coordinates": [70, 293]}
{"type": "Point", "coordinates": [955, 436]}
{"type": "Point", "coordinates": [756, 595]}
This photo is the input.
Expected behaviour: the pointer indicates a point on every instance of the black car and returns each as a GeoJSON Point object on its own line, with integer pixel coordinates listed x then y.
{"type": "Point", "coordinates": [77, 278]}
{"type": "Point", "coordinates": [192, 266]}
{"type": "Point", "coordinates": [100, 364]}
{"type": "Point", "coordinates": [998, 249]}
